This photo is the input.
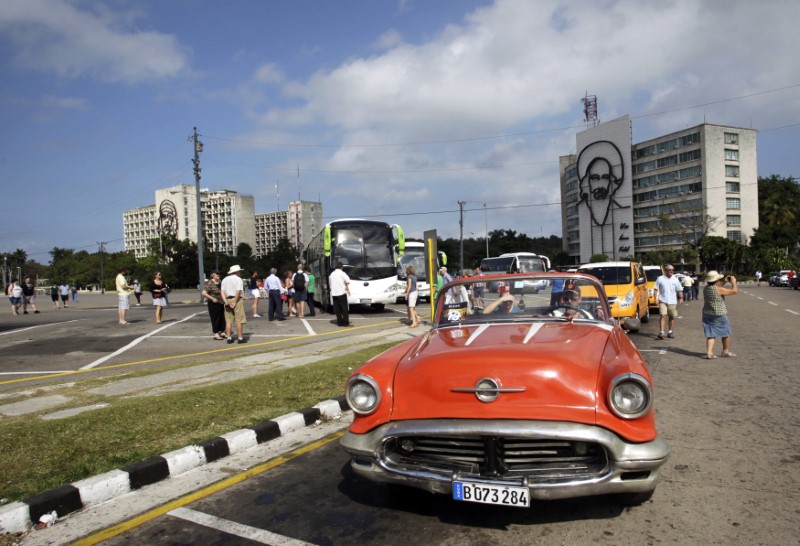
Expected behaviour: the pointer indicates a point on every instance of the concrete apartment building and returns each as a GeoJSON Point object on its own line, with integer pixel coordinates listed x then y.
{"type": "Point", "coordinates": [229, 219]}
{"type": "Point", "coordinates": [613, 200]}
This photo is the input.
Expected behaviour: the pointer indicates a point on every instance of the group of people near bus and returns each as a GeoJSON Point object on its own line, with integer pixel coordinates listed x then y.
{"type": "Point", "coordinates": [226, 307]}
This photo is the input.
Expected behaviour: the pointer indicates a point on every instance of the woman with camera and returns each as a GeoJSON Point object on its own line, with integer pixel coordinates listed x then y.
{"type": "Point", "coordinates": [715, 314]}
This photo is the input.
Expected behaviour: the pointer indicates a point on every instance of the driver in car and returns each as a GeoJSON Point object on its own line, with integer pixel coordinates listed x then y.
{"type": "Point", "coordinates": [569, 305]}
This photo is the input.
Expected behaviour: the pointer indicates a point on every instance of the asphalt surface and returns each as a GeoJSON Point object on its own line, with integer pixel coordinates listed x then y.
{"type": "Point", "coordinates": [733, 477]}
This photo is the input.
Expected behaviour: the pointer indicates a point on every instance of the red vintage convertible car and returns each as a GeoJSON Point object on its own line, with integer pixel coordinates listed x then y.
{"type": "Point", "coordinates": [510, 399]}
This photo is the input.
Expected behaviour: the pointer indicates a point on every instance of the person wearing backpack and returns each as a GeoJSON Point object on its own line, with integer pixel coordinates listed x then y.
{"type": "Point", "coordinates": [300, 284]}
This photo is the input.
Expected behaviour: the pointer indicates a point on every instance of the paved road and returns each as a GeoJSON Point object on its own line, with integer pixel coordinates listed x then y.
{"type": "Point", "coordinates": [733, 478]}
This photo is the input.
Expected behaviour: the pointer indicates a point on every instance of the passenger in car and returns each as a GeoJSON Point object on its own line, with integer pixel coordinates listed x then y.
{"type": "Point", "coordinates": [505, 304]}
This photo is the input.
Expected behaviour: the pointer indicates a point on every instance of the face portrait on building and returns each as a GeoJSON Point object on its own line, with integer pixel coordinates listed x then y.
{"type": "Point", "coordinates": [601, 174]}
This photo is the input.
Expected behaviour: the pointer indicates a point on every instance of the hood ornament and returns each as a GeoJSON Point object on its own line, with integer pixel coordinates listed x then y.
{"type": "Point", "coordinates": [488, 389]}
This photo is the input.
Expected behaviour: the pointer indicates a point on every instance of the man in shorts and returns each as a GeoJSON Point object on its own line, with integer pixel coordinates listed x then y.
{"type": "Point", "coordinates": [233, 294]}
{"type": "Point", "coordinates": [28, 296]}
{"type": "Point", "coordinates": [123, 291]}
{"type": "Point", "coordinates": [668, 292]}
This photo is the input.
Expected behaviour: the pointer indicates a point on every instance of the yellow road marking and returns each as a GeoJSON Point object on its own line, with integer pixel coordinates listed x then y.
{"type": "Point", "coordinates": [188, 355]}
{"type": "Point", "coordinates": [120, 528]}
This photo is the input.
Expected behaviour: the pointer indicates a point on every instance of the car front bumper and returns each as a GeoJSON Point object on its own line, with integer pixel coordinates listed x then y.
{"type": "Point", "coordinates": [622, 467]}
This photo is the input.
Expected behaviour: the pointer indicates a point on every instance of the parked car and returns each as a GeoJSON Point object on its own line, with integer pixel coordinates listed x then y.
{"type": "Point", "coordinates": [783, 278]}
{"type": "Point", "coordinates": [518, 402]}
{"type": "Point", "coordinates": [652, 272]}
{"type": "Point", "coordinates": [626, 286]}
{"type": "Point", "coordinates": [774, 278]}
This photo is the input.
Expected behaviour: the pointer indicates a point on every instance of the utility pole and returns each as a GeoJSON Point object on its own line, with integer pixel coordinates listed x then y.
{"type": "Point", "coordinates": [198, 147]}
{"type": "Point", "coordinates": [102, 251]}
{"type": "Point", "coordinates": [486, 226]}
{"type": "Point", "coordinates": [461, 236]}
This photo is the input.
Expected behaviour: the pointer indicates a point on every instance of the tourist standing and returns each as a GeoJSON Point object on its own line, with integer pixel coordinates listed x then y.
{"type": "Point", "coordinates": [339, 283]}
{"type": "Point", "coordinates": [28, 295]}
{"type": "Point", "coordinates": [158, 290]}
{"type": "Point", "coordinates": [14, 292]}
{"type": "Point", "coordinates": [54, 296]}
{"type": "Point", "coordinates": [715, 313]}
{"type": "Point", "coordinates": [300, 284]}
{"type": "Point", "coordinates": [233, 294]}
{"type": "Point", "coordinates": [123, 291]}
{"type": "Point", "coordinates": [216, 305]}
{"type": "Point", "coordinates": [274, 289]}
{"type": "Point", "coordinates": [411, 296]}
{"type": "Point", "coordinates": [255, 292]}
{"type": "Point", "coordinates": [668, 292]}
{"type": "Point", "coordinates": [63, 291]}
{"type": "Point", "coordinates": [137, 292]}
{"type": "Point", "coordinates": [312, 285]}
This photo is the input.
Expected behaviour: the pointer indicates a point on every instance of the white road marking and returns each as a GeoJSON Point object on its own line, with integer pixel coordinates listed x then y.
{"type": "Point", "coordinates": [309, 329]}
{"type": "Point", "coordinates": [134, 343]}
{"type": "Point", "coordinates": [37, 326]}
{"type": "Point", "coordinates": [237, 529]}
{"type": "Point", "coordinates": [793, 312]}
{"type": "Point", "coordinates": [772, 303]}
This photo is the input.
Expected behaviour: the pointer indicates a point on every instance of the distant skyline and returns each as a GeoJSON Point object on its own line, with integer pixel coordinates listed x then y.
{"type": "Point", "coordinates": [391, 109]}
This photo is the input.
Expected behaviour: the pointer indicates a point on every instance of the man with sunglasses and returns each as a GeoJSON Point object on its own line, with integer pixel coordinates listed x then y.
{"type": "Point", "coordinates": [668, 293]}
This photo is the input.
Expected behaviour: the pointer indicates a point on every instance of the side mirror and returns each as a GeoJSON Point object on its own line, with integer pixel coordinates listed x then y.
{"type": "Point", "coordinates": [640, 280]}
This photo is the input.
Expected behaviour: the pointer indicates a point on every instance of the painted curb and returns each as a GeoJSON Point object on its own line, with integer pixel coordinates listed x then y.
{"type": "Point", "coordinates": [21, 516]}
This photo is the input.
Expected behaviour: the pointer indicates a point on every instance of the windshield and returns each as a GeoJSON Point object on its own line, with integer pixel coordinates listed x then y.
{"type": "Point", "coordinates": [652, 274]}
{"type": "Point", "coordinates": [521, 298]}
{"type": "Point", "coordinates": [415, 259]}
{"type": "Point", "coordinates": [530, 264]}
{"type": "Point", "coordinates": [496, 265]}
{"type": "Point", "coordinates": [366, 252]}
{"type": "Point", "coordinates": [610, 274]}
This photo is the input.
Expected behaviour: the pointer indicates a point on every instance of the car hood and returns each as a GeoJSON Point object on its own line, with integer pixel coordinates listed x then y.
{"type": "Point", "coordinates": [554, 364]}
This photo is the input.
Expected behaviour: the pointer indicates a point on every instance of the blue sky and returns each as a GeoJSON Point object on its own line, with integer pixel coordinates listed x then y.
{"type": "Point", "coordinates": [391, 109]}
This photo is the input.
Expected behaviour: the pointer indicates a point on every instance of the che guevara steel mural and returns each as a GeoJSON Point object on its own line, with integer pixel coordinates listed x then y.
{"type": "Point", "coordinates": [601, 173]}
{"type": "Point", "coordinates": [167, 218]}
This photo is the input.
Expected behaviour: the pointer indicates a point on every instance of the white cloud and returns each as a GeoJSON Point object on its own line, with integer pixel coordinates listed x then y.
{"type": "Point", "coordinates": [57, 37]}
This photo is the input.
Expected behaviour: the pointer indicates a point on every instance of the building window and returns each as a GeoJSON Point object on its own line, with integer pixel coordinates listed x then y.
{"type": "Point", "coordinates": [732, 187]}
{"type": "Point", "coordinates": [731, 138]}
{"type": "Point", "coordinates": [733, 203]}
{"type": "Point", "coordinates": [735, 236]}
{"type": "Point", "coordinates": [731, 155]}
{"type": "Point", "coordinates": [734, 220]}
{"type": "Point", "coordinates": [732, 170]}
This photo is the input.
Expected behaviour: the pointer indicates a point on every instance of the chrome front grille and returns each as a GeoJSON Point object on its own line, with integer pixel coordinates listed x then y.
{"type": "Point", "coordinates": [513, 458]}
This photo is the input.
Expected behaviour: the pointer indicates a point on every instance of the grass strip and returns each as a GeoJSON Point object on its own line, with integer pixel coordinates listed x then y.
{"type": "Point", "coordinates": [38, 455]}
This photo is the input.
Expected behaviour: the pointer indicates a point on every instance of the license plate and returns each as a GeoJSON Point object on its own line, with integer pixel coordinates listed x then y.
{"type": "Point", "coordinates": [365, 300]}
{"type": "Point", "coordinates": [491, 494]}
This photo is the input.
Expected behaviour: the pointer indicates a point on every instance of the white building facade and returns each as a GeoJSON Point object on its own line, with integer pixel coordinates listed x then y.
{"type": "Point", "coordinates": [229, 219]}
{"type": "Point", "coordinates": [704, 178]}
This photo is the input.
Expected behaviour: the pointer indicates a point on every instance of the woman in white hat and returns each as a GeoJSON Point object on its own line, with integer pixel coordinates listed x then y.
{"type": "Point", "coordinates": [715, 314]}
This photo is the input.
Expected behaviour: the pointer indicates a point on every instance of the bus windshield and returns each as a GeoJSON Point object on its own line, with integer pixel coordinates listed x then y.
{"type": "Point", "coordinates": [531, 264]}
{"type": "Point", "coordinates": [416, 259]}
{"type": "Point", "coordinates": [365, 252]}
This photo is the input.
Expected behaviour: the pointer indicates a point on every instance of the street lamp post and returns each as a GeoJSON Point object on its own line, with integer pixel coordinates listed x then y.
{"type": "Point", "coordinates": [486, 226]}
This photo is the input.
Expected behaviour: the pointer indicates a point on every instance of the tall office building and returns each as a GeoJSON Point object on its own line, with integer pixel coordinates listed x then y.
{"type": "Point", "coordinates": [614, 202]}
{"type": "Point", "coordinates": [229, 219]}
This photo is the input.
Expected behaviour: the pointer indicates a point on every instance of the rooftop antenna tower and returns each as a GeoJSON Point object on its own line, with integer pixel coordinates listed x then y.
{"type": "Point", "coordinates": [278, 194]}
{"type": "Point", "coordinates": [590, 110]}
{"type": "Point", "coordinates": [298, 182]}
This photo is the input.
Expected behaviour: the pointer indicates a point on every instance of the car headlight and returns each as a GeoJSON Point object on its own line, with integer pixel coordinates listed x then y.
{"type": "Point", "coordinates": [627, 301]}
{"type": "Point", "coordinates": [630, 396]}
{"type": "Point", "coordinates": [363, 394]}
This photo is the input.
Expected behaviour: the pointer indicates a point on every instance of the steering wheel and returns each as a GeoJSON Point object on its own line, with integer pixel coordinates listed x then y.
{"type": "Point", "coordinates": [584, 312]}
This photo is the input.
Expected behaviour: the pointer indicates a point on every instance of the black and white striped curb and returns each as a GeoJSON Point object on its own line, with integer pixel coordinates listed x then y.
{"type": "Point", "coordinates": [19, 517]}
